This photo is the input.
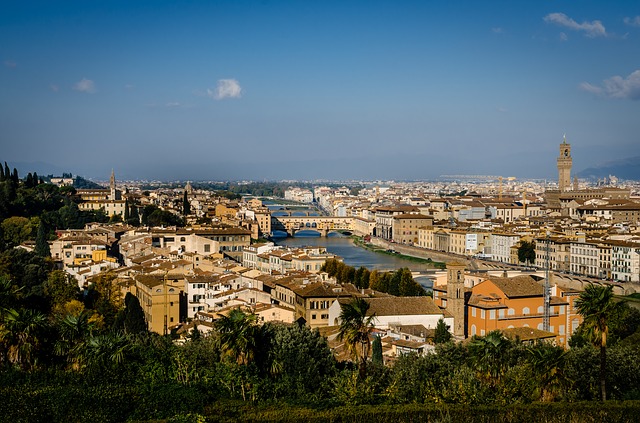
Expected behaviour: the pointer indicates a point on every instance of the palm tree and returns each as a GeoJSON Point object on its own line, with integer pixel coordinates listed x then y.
{"type": "Point", "coordinates": [74, 332]}
{"type": "Point", "coordinates": [8, 294]}
{"type": "Point", "coordinates": [547, 362]}
{"type": "Point", "coordinates": [20, 336]}
{"type": "Point", "coordinates": [488, 355]}
{"type": "Point", "coordinates": [596, 306]}
{"type": "Point", "coordinates": [238, 335]}
{"type": "Point", "coordinates": [108, 350]}
{"type": "Point", "coordinates": [355, 326]}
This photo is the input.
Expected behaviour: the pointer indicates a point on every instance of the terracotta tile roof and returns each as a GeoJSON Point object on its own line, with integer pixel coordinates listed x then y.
{"type": "Point", "coordinates": [527, 334]}
{"type": "Point", "coordinates": [401, 306]}
{"type": "Point", "coordinates": [323, 289]}
{"type": "Point", "coordinates": [519, 286]}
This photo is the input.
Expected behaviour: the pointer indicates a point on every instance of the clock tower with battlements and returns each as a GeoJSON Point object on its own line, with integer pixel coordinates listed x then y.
{"type": "Point", "coordinates": [564, 166]}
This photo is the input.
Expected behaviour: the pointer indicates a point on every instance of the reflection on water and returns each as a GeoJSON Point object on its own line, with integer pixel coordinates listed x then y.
{"type": "Point", "coordinates": [352, 255]}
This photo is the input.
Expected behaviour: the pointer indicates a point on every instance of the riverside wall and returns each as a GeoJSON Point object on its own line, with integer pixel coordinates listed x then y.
{"type": "Point", "coordinates": [570, 281]}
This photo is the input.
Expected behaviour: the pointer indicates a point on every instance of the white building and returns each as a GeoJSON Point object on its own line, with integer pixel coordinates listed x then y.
{"type": "Point", "coordinates": [397, 311]}
{"type": "Point", "coordinates": [501, 244]}
{"type": "Point", "coordinates": [625, 261]}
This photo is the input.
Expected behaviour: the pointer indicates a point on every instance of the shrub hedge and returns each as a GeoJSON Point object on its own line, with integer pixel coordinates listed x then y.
{"type": "Point", "coordinates": [176, 403]}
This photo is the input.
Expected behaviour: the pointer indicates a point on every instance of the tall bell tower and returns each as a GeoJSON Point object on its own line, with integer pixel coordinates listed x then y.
{"type": "Point", "coordinates": [455, 297]}
{"type": "Point", "coordinates": [564, 166]}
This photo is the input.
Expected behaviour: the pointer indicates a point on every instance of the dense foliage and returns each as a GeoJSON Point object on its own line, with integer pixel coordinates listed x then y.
{"type": "Point", "coordinates": [527, 252]}
{"type": "Point", "coordinates": [30, 210]}
{"type": "Point", "coordinates": [399, 283]}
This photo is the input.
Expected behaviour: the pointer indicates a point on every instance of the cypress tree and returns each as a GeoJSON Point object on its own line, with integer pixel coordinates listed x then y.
{"type": "Point", "coordinates": [134, 218]}
{"type": "Point", "coordinates": [186, 207]}
{"type": "Point", "coordinates": [442, 334]}
{"type": "Point", "coordinates": [15, 177]}
{"type": "Point", "coordinates": [376, 351]}
{"type": "Point", "coordinates": [29, 181]}
{"type": "Point", "coordinates": [35, 179]}
{"type": "Point", "coordinates": [1, 173]}
{"type": "Point", "coordinates": [7, 172]}
{"type": "Point", "coordinates": [126, 209]}
{"type": "Point", "coordinates": [134, 321]}
{"type": "Point", "coordinates": [42, 246]}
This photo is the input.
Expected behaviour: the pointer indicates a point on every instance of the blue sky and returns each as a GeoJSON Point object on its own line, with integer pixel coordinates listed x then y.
{"type": "Point", "coordinates": [307, 89]}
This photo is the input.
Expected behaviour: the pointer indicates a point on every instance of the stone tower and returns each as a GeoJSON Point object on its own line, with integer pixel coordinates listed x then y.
{"type": "Point", "coordinates": [564, 166]}
{"type": "Point", "coordinates": [455, 297]}
{"type": "Point", "coordinates": [112, 186]}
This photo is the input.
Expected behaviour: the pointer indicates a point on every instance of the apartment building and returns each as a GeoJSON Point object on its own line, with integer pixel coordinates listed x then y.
{"type": "Point", "coordinates": [501, 244]}
{"type": "Point", "coordinates": [385, 218]}
{"type": "Point", "coordinates": [163, 301]}
{"type": "Point", "coordinates": [505, 303]}
{"type": "Point", "coordinates": [406, 227]}
{"type": "Point", "coordinates": [625, 261]}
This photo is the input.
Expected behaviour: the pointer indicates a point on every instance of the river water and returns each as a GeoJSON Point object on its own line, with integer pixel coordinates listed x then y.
{"type": "Point", "coordinates": [357, 256]}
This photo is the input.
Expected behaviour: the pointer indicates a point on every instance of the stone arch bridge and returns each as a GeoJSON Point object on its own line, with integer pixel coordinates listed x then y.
{"type": "Point", "coordinates": [321, 224]}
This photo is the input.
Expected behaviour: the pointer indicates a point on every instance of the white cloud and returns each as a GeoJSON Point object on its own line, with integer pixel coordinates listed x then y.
{"type": "Point", "coordinates": [632, 21]}
{"type": "Point", "coordinates": [226, 88]}
{"type": "Point", "coordinates": [10, 64]}
{"type": "Point", "coordinates": [85, 86]}
{"type": "Point", "coordinates": [563, 36]}
{"type": "Point", "coordinates": [591, 29]}
{"type": "Point", "coordinates": [617, 87]}
{"type": "Point", "coordinates": [497, 30]}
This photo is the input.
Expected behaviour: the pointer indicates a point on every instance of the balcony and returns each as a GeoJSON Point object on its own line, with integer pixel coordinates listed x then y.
{"type": "Point", "coordinates": [527, 316]}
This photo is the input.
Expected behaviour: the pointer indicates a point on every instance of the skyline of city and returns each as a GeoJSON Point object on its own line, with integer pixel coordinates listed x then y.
{"type": "Point", "coordinates": [282, 90]}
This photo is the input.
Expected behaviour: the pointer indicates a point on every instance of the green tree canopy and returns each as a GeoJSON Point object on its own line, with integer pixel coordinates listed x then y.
{"type": "Point", "coordinates": [527, 252]}
{"type": "Point", "coordinates": [131, 318]}
{"type": "Point", "coordinates": [442, 334]}
{"type": "Point", "coordinates": [355, 327]}
{"type": "Point", "coordinates": [597, 307]}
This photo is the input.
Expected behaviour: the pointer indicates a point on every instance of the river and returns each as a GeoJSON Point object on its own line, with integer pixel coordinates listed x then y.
{"type": "Point", "coordinates": [357, 256]}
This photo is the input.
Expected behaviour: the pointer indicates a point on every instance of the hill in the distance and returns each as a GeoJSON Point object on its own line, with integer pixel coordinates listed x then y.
{"type": "Point", "coordinates": [628, 168]}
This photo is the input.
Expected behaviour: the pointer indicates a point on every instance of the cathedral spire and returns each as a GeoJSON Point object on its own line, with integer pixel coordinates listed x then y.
{"type": "Point", "coordinates": [112, 181]}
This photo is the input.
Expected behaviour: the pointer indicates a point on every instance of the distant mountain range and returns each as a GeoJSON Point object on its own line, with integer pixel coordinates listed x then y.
{"type": "Point", "coordinates": [628, 168]}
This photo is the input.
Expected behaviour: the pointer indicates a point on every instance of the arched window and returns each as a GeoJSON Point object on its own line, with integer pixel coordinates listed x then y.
{"type": "Point", "coordinates": [473, 330]}
{"type": "Point", "coordinates": [511, 312]}
{"type": "Point", "coordinates": [525, 311]}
